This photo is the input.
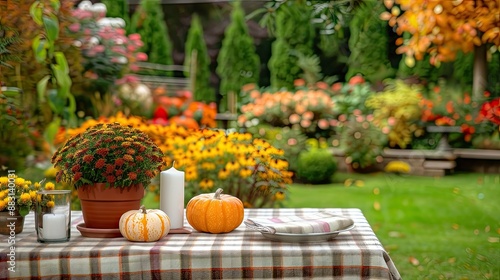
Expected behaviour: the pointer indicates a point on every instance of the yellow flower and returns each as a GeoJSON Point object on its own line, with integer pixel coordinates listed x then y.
{"type": "Point", "coordinates": [19, 181]}
{"type": "Point", "coordinates": [206, 184]}
{"type": "Point", "coordinates": [4, 180]}
{"type": "Point", "coordinates": [50, 204]}
{"type": "Point", "coordinates": [49, 186]}
{"type": "Point", "coordinates": [25, 197]}
{"type": "Point", "coordinates": [3, 204]}
{"type": "Point", "coordinates": [51, 172]}
{"type": "Point", "coordinates": [232, 166]}
{"type": "Point", "coordinates": [223, 174]}
{"type": "Point", "coordinates": [279, 196]}
{"type": "Point", "coordinates": [245, 173]}
{"type": "Point", "coordinates": [33, 195]}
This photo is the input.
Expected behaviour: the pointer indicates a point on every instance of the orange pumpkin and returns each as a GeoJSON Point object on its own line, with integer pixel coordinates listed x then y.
{"type": "Point", "coordinates": [215, 212]}
{"type": "Point", "coordinates": [144, 225]}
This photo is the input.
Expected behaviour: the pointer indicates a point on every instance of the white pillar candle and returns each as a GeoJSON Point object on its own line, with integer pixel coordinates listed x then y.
{"type": "Point", "coordinates": [172, 196]}
{"type": "Point", "coordinates": [54, 226]}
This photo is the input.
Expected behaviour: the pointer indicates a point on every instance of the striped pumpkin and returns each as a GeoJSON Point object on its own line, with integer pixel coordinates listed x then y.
{"type": "Point", "coordinates": [215, 212]}
{"type": "Point", "coordinates": [144, 225]}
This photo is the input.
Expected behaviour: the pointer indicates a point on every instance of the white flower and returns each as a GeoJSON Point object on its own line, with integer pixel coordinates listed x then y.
{"type": "Point", "coordinates": [122, 60]}
{"type": "Point", "coordinates": [99, 8]}
{"type": "Point", "coordinates": [85, 5]}
{"type": "Point", "coordinates": [93, 41]}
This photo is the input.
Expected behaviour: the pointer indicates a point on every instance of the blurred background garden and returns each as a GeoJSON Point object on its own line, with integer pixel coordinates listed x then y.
{"type": "Point", "coordinates": [389, 106]}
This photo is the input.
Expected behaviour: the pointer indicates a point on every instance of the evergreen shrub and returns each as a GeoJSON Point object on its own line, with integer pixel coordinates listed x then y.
{"type": "Point", "coordinates": [316, 166]}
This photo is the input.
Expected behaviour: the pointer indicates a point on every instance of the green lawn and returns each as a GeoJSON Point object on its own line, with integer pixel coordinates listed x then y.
{"type": "Point", "coordinates": [433, 228]}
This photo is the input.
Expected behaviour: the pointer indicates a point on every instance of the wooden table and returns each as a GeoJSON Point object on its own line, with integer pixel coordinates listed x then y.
{"type": "Point", "coordinates": [243, 253]}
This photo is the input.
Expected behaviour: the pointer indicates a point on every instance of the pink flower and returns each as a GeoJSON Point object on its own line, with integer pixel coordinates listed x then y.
{"type": "Point", "coordinates": [99, 49]}
{"type": "Point", "coordinates": [135, 37]}
{"type": "Point", "coordinates": [75, 27]}
{"type": "Point", "coordinates": [142, 56]}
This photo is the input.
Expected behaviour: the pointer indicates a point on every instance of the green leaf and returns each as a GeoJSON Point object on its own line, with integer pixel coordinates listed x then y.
{"type": "Point", "coordinates": [41, 87]}
{"type": "Point", "coordinates": [56, 4]}
{"type": "Point", "coordinates": [39, 49]}
{"type": "Point", "coordinates": [61, 60]}
{"type": "Point", "coordinates": [56, 104]}
{"type": "Point", "coordinates": [51, 27]}
{"type": "Point", "coordinates": [51, 130]}
{"type": "Point", "coordinates": [36, 12]}
{"type": "Point", "coordinates": [24, 210]}
{"type": "Point", "coordinates": [10, 91]}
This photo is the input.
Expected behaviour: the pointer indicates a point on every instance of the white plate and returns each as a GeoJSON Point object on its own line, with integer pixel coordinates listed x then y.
{"type": "Point", "coordinates": [308, 237]}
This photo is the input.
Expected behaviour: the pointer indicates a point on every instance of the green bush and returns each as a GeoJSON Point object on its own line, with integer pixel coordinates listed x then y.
{"type": "Point", "coordinates": [316, 166]}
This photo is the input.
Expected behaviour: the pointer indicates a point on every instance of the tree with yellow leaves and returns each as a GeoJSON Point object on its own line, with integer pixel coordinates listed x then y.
{"type": "Point", "coordinates": [441, 28]}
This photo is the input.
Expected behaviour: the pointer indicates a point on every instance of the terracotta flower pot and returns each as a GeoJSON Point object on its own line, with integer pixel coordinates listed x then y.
{"type": "Point", "coordinates": [102, 207]}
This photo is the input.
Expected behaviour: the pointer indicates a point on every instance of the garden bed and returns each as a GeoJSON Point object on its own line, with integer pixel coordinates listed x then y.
{"type": "Point", "coordinates": [435, 163]}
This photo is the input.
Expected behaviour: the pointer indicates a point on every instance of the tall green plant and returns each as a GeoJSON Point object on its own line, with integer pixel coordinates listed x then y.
{"type": "Point", "coordinates": [369, 44]}
{"type": "Point", "coordinates": [238, 63]}
{"type": "Point", "coordinates": [197, 48]}
{"type": "Point", "coordinates": [149, 22]}
{"type": "Point", "coordinates": [294, 34]}
{"type": "Point", "coordinates": [54, 88]}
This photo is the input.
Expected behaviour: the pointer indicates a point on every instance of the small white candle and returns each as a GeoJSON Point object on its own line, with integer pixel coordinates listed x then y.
{"type": "Point", "coordinates": [172, 196]}
{"type": "Point", "coordinates": [54, 226]}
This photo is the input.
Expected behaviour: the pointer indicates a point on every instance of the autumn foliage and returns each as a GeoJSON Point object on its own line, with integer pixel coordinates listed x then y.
{"type": "Point", "coordinates": [443, 27]}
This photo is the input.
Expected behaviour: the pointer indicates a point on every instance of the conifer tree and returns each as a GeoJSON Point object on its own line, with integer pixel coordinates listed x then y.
{"type": "Point", "coordinates": [238, 63]}
{"type": "Point", "coordinates": [195, 42]}
{"type": "Point", "coordinates": [369, 43]}
{"type": "Point", "coordinates": [118, 9]}
{"type": "Point", "coordinates": [294, 34]}
{"type": "Point", "coordinates": [149, 22]}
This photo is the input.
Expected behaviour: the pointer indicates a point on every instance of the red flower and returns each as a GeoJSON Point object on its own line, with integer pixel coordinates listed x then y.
{"type": "Point", "coordinates": [88, 158]}
{"type": "Point", "coordinates": [75, 168]}
{"type": "Point", "coordinates": [119, 162]}
{"type": "Point", "coordinates": [100, 163]}
{"type": "Point", "coordinates": [102, 152]}
{"type": "Point", "coordinates": [111, 179]}
{"type": "Point", "coordinates": [132, 175]}
{"type": "Point", "coordinates": [118, 172]}
{"type": "Point", "coordinates": [128, 158]}
{"type": "Point", "coordinates": [110, 168]}
{"type": "Point", "coordinates": [149, 174]}
{"type": "Point", "coordinates": [77, 176]}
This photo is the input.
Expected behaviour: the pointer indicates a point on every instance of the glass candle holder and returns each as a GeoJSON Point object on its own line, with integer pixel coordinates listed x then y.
{"type": "Point", "coordinates": [53, 216]}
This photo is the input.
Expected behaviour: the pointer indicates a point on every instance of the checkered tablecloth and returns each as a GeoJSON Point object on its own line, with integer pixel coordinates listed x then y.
{"type": "Point", "coordinates": [243, 253]}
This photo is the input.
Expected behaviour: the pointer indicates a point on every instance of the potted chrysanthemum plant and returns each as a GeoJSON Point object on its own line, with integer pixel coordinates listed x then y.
{"type": "Point", "coordinates": [110, 165]}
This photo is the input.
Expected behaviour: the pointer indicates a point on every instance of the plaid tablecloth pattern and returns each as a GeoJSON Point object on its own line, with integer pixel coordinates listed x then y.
{"type": "Point", "coordinates": [241, 254]}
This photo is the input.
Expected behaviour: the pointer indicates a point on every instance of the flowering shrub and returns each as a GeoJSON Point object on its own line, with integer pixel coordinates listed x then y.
{"type": "Point", "coordinates": [396, 111]}
{"type": "Point", "coordinates": [490, 112]}
{"type": "Point", "coordinates": [18, 194]}
{"type": "Point", "coordinates": [108, 52]}
{"type": "Point", "coordinates": [308, 110]}
{"type": "Point", "coordinates": [249, 168]}
{"type": "Point", "coordinates": [449, 106]}
{"type": "Point", "coordinates": [182, 110]}
{"type": "Point", "coordinates": [361, 141]}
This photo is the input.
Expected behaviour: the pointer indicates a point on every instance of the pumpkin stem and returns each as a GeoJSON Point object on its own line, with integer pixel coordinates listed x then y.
{"type": "Point", "coordinates": [143, 209]}
{"type": "Point", "coordinates": [217, 193]}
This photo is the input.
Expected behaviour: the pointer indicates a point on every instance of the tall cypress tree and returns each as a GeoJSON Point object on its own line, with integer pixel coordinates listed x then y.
{"type": "Point", "coordinates": [148, 21]}
{"type": "Point", "coordinates": [195, 42]}
{"type": "Point", "coordinates": [369, 43]}
{"type": "Point", "coordinates": [294, 34]}
{"type": "Point", "coordinates": [119, 9]}
{"type": "Point", "coordinates": [238, 63]}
